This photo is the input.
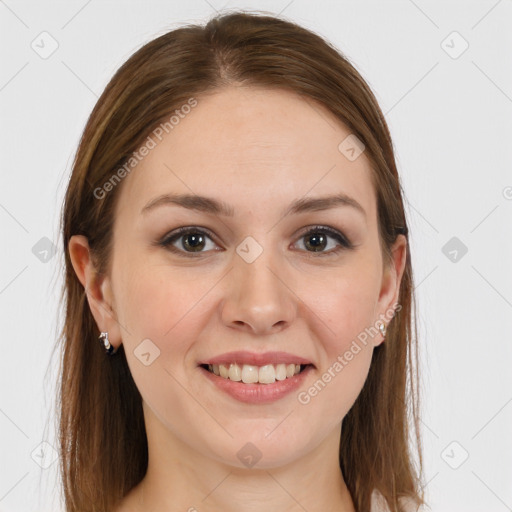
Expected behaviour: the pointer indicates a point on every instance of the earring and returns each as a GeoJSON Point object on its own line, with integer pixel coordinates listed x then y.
{"type": "Point", "coordinates": [382, 328]}
{"type": "Point", "coordinates": [106, 344]}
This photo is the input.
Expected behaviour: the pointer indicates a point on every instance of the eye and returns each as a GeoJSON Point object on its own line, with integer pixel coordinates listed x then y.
{"type": "Point", "coordinates": [317, 241]}
{"type": "Point", "coordinates": [193, 240]}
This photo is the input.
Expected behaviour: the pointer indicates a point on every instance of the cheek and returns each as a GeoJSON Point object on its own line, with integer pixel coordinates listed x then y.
{"type": "Point", "coordinates": [346, 301]}
{"type": "Point", "coordinates": [155, 301]}
{"type": "Point", "coordinates": [162, 311]}
{"type": "Point", "coordinates": [344, 362]}
{"type": "Point", "coordinates": [347, 304]}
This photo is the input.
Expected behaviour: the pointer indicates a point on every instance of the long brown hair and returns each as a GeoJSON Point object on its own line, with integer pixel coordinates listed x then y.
{"type": "Point", "coordinates": [103, 444]}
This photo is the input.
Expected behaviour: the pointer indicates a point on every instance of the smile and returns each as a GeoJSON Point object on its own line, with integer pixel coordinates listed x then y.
{"type": "Point", "coordinates": [256, 392]}
{"type": "Point", "coordinates": [252, 374]}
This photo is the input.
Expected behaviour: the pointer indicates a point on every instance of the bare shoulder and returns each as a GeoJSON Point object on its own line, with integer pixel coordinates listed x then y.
{"type": "Point", "coordinates": [379, 504]}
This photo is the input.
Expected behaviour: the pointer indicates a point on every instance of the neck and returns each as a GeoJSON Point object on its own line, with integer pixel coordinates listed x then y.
{"type": "Point", "coordinates": [181, 478]}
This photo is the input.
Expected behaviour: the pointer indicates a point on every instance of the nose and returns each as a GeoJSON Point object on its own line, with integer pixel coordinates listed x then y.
{"type": "Point", "coordinates": [258, 299]}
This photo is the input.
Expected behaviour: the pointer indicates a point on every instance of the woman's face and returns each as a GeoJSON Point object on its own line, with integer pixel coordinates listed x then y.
{"type": "Point", "coordinates": [253, 281]}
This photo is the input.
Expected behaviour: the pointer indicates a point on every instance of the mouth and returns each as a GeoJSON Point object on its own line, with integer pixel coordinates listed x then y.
{"type": "Point", "coordinates": [256, 385]}
{"type": "Point", "coordinates": [252, 374]}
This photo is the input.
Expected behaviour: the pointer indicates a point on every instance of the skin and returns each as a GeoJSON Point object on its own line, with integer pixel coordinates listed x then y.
{"type": "Point", "coordinates": [257, 150]}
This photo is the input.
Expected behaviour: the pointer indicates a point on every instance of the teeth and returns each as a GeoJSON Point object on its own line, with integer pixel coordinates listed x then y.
{"type": "Point", "coordinates": [281, 371]}
{"type": "Point", "coordinates": [224, 371]}
{"type": "Point", "coordinates": [267, 374]}
{"type": "Point", "coordinates": [235, 372]}
{"type": "Point", "coordinates": [250, 374]}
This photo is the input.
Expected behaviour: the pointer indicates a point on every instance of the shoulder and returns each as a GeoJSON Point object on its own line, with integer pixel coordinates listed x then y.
{"type": "Point", "coordinates": [379, 504]}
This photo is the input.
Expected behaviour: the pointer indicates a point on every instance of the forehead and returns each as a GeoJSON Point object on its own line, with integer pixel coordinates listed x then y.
{"type": "Point", "coordinates": [250, 147]}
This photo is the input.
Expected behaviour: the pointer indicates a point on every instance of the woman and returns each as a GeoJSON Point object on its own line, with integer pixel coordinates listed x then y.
{"type": "Point", "coordinates": [235, 239]}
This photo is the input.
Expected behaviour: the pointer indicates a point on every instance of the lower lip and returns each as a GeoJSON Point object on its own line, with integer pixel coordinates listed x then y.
{"type": "Point", "coordinates": [258, 393]}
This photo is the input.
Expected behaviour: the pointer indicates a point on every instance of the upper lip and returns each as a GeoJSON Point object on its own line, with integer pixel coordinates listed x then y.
{"type": "Point", "coordinates": [255, 359]}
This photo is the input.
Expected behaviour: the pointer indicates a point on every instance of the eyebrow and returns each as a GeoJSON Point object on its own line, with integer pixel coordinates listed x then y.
{"type": "Point", "coordinates": [216, 207]}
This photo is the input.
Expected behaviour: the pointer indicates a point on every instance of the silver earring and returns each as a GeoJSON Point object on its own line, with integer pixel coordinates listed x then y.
{"type": "Point", "coordinates": [106, 344]}
{"type": "Point", "coordinates": [382, 328]}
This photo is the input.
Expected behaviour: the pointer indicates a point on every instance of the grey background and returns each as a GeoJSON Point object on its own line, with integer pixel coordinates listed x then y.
{"type": "Point", "coordinates": [449, 112]}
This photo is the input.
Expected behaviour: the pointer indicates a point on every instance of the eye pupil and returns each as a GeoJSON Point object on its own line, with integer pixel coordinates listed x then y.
{"type": "Point", "coordinates": [319, 241]}
{"type": "Point", "coordinates": [197, 241]}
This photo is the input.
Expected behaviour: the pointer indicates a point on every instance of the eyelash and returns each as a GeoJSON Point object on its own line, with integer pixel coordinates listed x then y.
{"type": "Point", "coordinates": [167, 241]}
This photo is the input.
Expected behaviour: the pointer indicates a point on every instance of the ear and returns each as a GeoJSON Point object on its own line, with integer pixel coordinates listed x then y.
{"type": "Point", "coordinates": [98, 288]}
{"type": "Point", "coordinates": [390, 285]}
